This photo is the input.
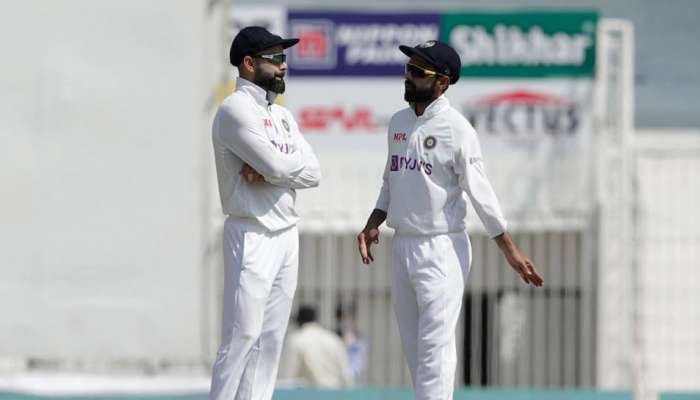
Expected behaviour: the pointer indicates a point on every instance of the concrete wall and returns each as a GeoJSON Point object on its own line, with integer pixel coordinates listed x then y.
{"type": "Point", "coordinates": [105, 137]}
{"type": "Point", "coordinates": [667, 247]}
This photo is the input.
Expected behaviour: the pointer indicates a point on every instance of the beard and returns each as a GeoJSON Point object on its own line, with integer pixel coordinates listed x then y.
{"type": "Point", "coordinates": [414, 94]}
{"type": "Point", "coordinates": [269, 81]}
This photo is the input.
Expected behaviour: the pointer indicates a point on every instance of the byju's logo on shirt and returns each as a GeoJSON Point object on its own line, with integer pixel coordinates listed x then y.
{"type": "Point", "coordinates": [410, 164]}
{"type": "Point", "coordinates": [283, 147]}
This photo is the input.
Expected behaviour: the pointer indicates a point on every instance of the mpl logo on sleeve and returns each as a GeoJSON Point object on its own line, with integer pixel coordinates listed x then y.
{"type": "Point", "coordinates": [400, 136]}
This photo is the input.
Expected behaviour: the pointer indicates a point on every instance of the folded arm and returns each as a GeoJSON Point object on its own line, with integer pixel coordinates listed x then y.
{"type": "Point", "coordinates": [309, 176]}
{"type": "Point", "coordinates": [244, 136]}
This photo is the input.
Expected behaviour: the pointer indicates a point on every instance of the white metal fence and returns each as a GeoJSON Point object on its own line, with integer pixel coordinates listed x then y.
{"type": "Point", "coordinates": [509, 334]}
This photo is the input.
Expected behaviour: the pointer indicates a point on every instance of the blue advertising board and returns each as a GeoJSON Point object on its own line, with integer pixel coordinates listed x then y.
{"type": "Point", "coordinates": [355, 44]}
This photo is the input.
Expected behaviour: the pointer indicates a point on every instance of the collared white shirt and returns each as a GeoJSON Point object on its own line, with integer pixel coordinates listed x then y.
{"type": "Point", "coordinates": [248, 129]}
{"type": "Point", "coordinates": [434, 160]}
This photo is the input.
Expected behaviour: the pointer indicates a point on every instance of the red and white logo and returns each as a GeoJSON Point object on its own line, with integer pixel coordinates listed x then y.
{"type": "Point", "coordinates": [523, 113]}
{"type": "Point", "coordinates": [313, 44]}
{"type": "Point", "coordinates": [322, 118]}
{"type": "Point", "coordinates": [316, 48]}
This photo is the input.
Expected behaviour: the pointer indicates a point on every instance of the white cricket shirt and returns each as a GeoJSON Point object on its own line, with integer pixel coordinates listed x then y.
{"type": "Point", "coordinates": [434, 162]}
{"type": "Point", "coordinates": [248, 129]}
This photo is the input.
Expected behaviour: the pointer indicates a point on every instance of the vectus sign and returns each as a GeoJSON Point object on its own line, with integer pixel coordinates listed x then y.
{"type": "Point", "coordinates": [524, 114]}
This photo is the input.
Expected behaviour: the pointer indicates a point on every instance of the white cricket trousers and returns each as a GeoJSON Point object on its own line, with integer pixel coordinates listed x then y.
{"type": "Point", "coordinates": [429, 274]}
{"type": "Point", "coordinates": [259, 285]}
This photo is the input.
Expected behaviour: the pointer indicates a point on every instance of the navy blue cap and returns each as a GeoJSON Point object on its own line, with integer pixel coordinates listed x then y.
{"type": "Point", "coordinates": [254, 39]}
{"type": "Point", "coordinates": [440, 55]}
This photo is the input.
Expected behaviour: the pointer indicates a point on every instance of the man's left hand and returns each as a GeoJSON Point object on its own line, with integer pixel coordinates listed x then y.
{"type": "Point", "coordinates": [526, 269]}
{"type": "Point", "coordinates": [251, 175]}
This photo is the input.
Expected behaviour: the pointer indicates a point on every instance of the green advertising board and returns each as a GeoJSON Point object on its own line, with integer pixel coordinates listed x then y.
{"type": "Point", "coordinates": [523, 44]}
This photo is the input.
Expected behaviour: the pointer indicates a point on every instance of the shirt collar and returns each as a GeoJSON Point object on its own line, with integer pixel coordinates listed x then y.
{"type": "Point", "coordinates": [261, 96]}
{"type": "Point", "coordinates": [434, 108]}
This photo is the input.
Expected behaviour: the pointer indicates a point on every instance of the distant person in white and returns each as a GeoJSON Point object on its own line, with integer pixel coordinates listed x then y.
{"type": "Point", "coordinates": [261, 159]}
{"type": "Point", "coordinates": [315, 356]}
{"type": "Point", "coordinates": [434, 163]}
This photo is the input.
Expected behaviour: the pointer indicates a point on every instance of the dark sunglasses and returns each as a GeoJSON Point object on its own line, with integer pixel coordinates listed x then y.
{"type": "Point", "coordinates": [276, 59]}
{"type": "Point", "coordinates": [417, 71]}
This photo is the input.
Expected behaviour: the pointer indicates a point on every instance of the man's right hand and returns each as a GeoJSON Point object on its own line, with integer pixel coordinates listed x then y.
{"type": "Point", "coordinates": [365, 239]}
{"type": "Point", "coordinates": [251, 175]}
{"type": "Point", "coordinates": [522, 265]}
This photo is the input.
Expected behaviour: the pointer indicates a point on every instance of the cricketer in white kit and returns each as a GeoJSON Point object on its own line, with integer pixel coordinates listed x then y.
{"type": "Point", "coordinates": [261, 159]}
{"type": "Point", "coordinates": [434, 163]}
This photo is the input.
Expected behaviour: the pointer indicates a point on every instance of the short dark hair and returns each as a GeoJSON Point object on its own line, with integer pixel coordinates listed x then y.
{"type": "Point", "coordinates": [305, 314]}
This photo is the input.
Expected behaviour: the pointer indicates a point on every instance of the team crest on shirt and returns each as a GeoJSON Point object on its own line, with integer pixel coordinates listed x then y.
{"type": "Point", "coordinates": [285, 124]}
{"type": "Point", "coordinates": [430, 142]}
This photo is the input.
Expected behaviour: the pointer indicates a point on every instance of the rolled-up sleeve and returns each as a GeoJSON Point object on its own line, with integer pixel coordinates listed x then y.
{"type": "Point", "coordinates": [469, 166]}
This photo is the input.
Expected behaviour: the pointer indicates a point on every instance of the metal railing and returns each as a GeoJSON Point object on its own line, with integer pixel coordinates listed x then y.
{"type": "Point", "coordinates": [509, 334]}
